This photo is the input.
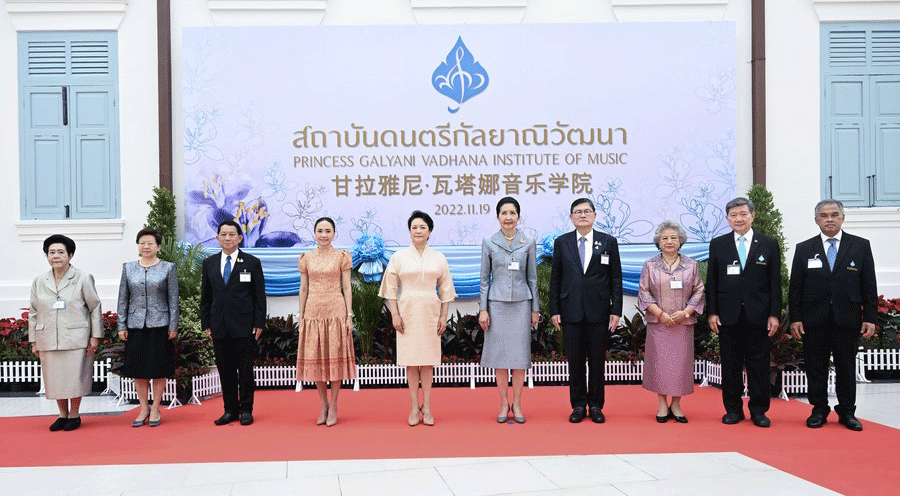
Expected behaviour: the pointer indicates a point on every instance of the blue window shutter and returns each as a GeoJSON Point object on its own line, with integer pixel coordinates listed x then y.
{"type": "Point", "coordinates": [845, 140]}
{"type": "Point", "coordinates": [93, 188]}
{"type": "Point", "coordinates": [45, 152]}
{"type": "Point", "coordinates": [886, 134]}
{"type": "Point", "coordinates": [68, 82]}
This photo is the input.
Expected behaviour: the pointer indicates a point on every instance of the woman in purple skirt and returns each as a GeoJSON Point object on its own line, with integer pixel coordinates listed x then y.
{"type": "Point", "coordinates": [671, 295]}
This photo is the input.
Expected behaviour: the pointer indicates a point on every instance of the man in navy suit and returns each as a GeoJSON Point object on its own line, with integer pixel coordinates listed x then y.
{"type": "Point", "coordinates": [743, 299]}
{"type": "Point", "coordinates": [585, 304]}
{"type": "Point", "coordinates": [833, 299]}
{"type": "Point", "coordinates": [233, 313]}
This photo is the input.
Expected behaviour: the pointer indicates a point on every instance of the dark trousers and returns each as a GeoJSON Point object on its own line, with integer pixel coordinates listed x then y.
{"type": "Point", "coordinates": [841, 343]}
{"type": "Point", "coordinates": [744, 345]}
{"type": "Point", "coordinates": [234, 358]}
{"type": "Point", "coordinates": [586, 341]}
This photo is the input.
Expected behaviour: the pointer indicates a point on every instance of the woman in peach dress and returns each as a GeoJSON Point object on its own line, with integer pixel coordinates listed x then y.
{"type": "Point", "coordinates": [325, 349]}
{"type": "Point", "coordinates": [418, 289]}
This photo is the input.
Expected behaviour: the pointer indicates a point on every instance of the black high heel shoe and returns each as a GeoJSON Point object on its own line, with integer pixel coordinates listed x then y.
{"type": "Point", "coordinates": [665, 418]}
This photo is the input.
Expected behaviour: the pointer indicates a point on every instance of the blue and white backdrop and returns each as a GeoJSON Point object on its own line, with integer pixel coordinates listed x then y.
{"type": "Point", "coordinates": [364, 124]}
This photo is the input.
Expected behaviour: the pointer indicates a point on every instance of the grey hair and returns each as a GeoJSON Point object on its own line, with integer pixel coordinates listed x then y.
{"type": "Point", "coordinates": [739, 201]}
{"type": "Point", "coordinates": [829, 201]}
{"type": "Point", "coordinates": [666, 225]}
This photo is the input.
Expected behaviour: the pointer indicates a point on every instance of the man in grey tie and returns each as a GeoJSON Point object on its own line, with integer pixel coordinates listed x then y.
{"type": "Point", "coordinates": [831, 304]}
{"type": "Point", "coordinates": [743, 300]}
{"type": "Point", "coordinates": [585, 305]}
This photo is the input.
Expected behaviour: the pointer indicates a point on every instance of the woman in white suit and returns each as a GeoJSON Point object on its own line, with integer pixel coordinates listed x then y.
{"type": "Point", "coordinates": [64, 328]}
{"type": "Point", "coordinates": [509, 305]}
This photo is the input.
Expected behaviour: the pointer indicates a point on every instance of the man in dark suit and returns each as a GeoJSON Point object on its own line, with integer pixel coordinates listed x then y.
{"type": "Point", "coordinates": [743, 298]}
{"type": "Point", "coordinates": [585, 304]}
{"type": "Point", "coordinates": [232, 313]}
{"type": "Point", "coordinates": [833, 299]}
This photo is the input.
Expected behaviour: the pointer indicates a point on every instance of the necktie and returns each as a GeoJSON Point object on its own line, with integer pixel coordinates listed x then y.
{"type": "Point", "coordinates": [831, 253]}
{"type": "Point", "coordinates": [581, 241]}
{"type": "Point", "coordinates": [742, 251]}
{"type": "Point", "coordinates": [227, 272]}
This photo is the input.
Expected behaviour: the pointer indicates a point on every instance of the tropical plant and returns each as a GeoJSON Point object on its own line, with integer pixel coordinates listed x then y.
{"type": "Point", "coordinates": [368, 312]}
{"type": "Point", "coordinates": [279, 340]}
{"type": "Point", "coordinates": [628, 340]}
{"type": "Point", "coordinates": [545, 332]}
{"type": "Point", "coordinates": [463, 340]}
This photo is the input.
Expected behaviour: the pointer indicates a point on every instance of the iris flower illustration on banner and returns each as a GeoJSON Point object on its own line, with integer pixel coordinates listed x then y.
{"type": "Point", "coordinates": [459, 77]}
{"type": "Point", "coordinates": [223, 204]}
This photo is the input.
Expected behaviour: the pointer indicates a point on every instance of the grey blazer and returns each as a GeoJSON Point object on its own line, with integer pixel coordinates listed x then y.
{"type": "Point", "coordinates": [148, 297]}
{"type": "Point", "coordinates": [498, 282]}
{"type": "Point", "coordinates": [68, 328]}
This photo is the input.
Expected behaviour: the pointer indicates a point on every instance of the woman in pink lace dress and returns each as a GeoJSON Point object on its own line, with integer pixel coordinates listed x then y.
{"type": "Point", "coordinates": [325, 349]}
{"type": "Point", "coordinates": [671, 294]}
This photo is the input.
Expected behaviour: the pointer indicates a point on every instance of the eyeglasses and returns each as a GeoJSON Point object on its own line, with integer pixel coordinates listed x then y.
{"type": "Point", "coordinates": [579, 213]}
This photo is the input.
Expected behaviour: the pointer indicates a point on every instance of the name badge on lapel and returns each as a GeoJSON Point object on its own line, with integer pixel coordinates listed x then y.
{"type": "Point", "coordinates": [513, 265]}
{"type": "Point", "coordinates": [676, 284]}
{"type": "Point", "coordinates": [852, 266]}
{"type": "Point", "coordinates": [245, 276]}
{"type": "Point", "coordinates": [733, 269]}
{"type": "Point", "coordinates": [604, 259]}
{"type": "Point", "coordinates": [59, 305]}
{"type": "Point", "coordinates": [814, 263]}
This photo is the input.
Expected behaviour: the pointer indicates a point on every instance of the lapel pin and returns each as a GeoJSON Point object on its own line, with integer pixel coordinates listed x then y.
{"type": "Point", "coordinates": [522, 240]}
{"type": "Point", "coordinates": [762, 258]}
{"type": "Point", "coordinates": [852, 263]}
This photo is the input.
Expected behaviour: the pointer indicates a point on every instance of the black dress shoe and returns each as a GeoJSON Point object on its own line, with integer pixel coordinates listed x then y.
{"type": "Point", "coordinates": [664, 418]}
{"type": "Point", "coordinates": [246, 418]}
{"type": "Point", "coordinates": [816, 420]}
{"type": "Point", "coordinates": [597, 416]}
{"type": "Point", "coordinates": [680, 420]}
{"type": "Point", "coordinates": [850, 422]}
{"type": "Point", "coordinates": [761, 420]}
{"type": "Point", "coordinates": [59, 424]}
{"type": "Point", "coordinates": [226, 418]}
{"type": "Point", "coordinates": [578, 414]}
{"type": "Point", "coordinates": [732, 418]}
{"type": "Point", "coordinates": [72, 424]}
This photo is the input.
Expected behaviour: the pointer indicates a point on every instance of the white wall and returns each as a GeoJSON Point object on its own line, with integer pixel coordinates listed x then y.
{"type": "Point", "coordinates": [793, 91]}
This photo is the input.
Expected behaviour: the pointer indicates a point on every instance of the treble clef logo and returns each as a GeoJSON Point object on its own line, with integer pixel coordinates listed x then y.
{"type": "Point", "coordinates": [459, 77]}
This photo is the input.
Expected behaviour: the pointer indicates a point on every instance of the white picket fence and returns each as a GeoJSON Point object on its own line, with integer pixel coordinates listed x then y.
{"type": "Point", "coordinates": [471, 374]}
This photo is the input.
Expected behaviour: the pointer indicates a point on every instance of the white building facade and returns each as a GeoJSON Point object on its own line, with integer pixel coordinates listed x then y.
{"type": "Point", "coordinates": [832, 110]}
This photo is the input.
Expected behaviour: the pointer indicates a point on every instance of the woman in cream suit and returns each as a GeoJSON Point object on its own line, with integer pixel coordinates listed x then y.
{"type": "Point", "coordinates": [509, 305]}
{"type": "Point", "coordinates": [64, 328]}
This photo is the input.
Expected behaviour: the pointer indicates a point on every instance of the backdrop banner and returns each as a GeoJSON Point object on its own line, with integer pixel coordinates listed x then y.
{"type": "Point", "coordinates": [283, 125]}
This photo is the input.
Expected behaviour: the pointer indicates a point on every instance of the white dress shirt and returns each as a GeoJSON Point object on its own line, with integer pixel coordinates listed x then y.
{"type": "Point", "coordinates": [234, 257]}
{"type": "Point", "coordinates": [588, 247]}
{"type": "Point", "coordinates": [748, 238]}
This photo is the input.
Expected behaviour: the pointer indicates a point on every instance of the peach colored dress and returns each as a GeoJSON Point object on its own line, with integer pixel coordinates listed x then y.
{"type": "Point", "coordinates": [419, 283]}
{"type": "Point", "coordinates": [325, 349]}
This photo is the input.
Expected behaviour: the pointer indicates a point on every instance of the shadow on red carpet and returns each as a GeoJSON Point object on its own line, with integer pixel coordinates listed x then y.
{"type": "Point", "coordinates": [373, 425]}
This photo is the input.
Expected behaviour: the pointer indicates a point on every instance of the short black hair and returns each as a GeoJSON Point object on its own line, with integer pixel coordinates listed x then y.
{"type": "Point", "coordinates": [510, 200]}
{"type": "Point", "coordinates": [148, 231]}
{"type": "Point", "coordinates": [230, 223]}
{"type": "Point", "coordinates": [324, 219]}
{"type": "Point", "coordinates": [418, 214]}
{"type": "Point", "coordinates": [579, 202]}
{"type": "Point", "coordinates": [59, 238]}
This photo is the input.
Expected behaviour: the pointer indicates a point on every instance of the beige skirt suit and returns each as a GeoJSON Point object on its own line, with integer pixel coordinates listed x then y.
{"type": "Point", "coordinates": [62, 318]}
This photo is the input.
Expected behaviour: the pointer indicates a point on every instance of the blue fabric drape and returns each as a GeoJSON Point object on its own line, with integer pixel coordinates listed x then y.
{"type": "Point", "coordinates": [282, 278]}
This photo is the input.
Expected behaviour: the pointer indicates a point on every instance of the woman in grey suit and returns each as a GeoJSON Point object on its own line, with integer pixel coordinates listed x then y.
{"type": "Point", "coordinates": [64, 328]}
{"type": "Point", "coordinates": [148, 323]}
{"type": "Point", "coordinates": [509, 305]}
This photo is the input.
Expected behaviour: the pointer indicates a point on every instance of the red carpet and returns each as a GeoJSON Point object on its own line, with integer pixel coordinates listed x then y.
{"type": "Point", "coordinates": [373, 425]}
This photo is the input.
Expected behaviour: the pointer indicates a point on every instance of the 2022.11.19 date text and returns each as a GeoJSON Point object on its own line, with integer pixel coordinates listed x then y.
{"type": "Point", "coordinates": [461, 208]}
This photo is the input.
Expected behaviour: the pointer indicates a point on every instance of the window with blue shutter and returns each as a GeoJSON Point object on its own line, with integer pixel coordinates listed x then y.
{"type": "Point", "coordinates": [69, 125]}
{"type": "Point", "coordinates": [861, 113]}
